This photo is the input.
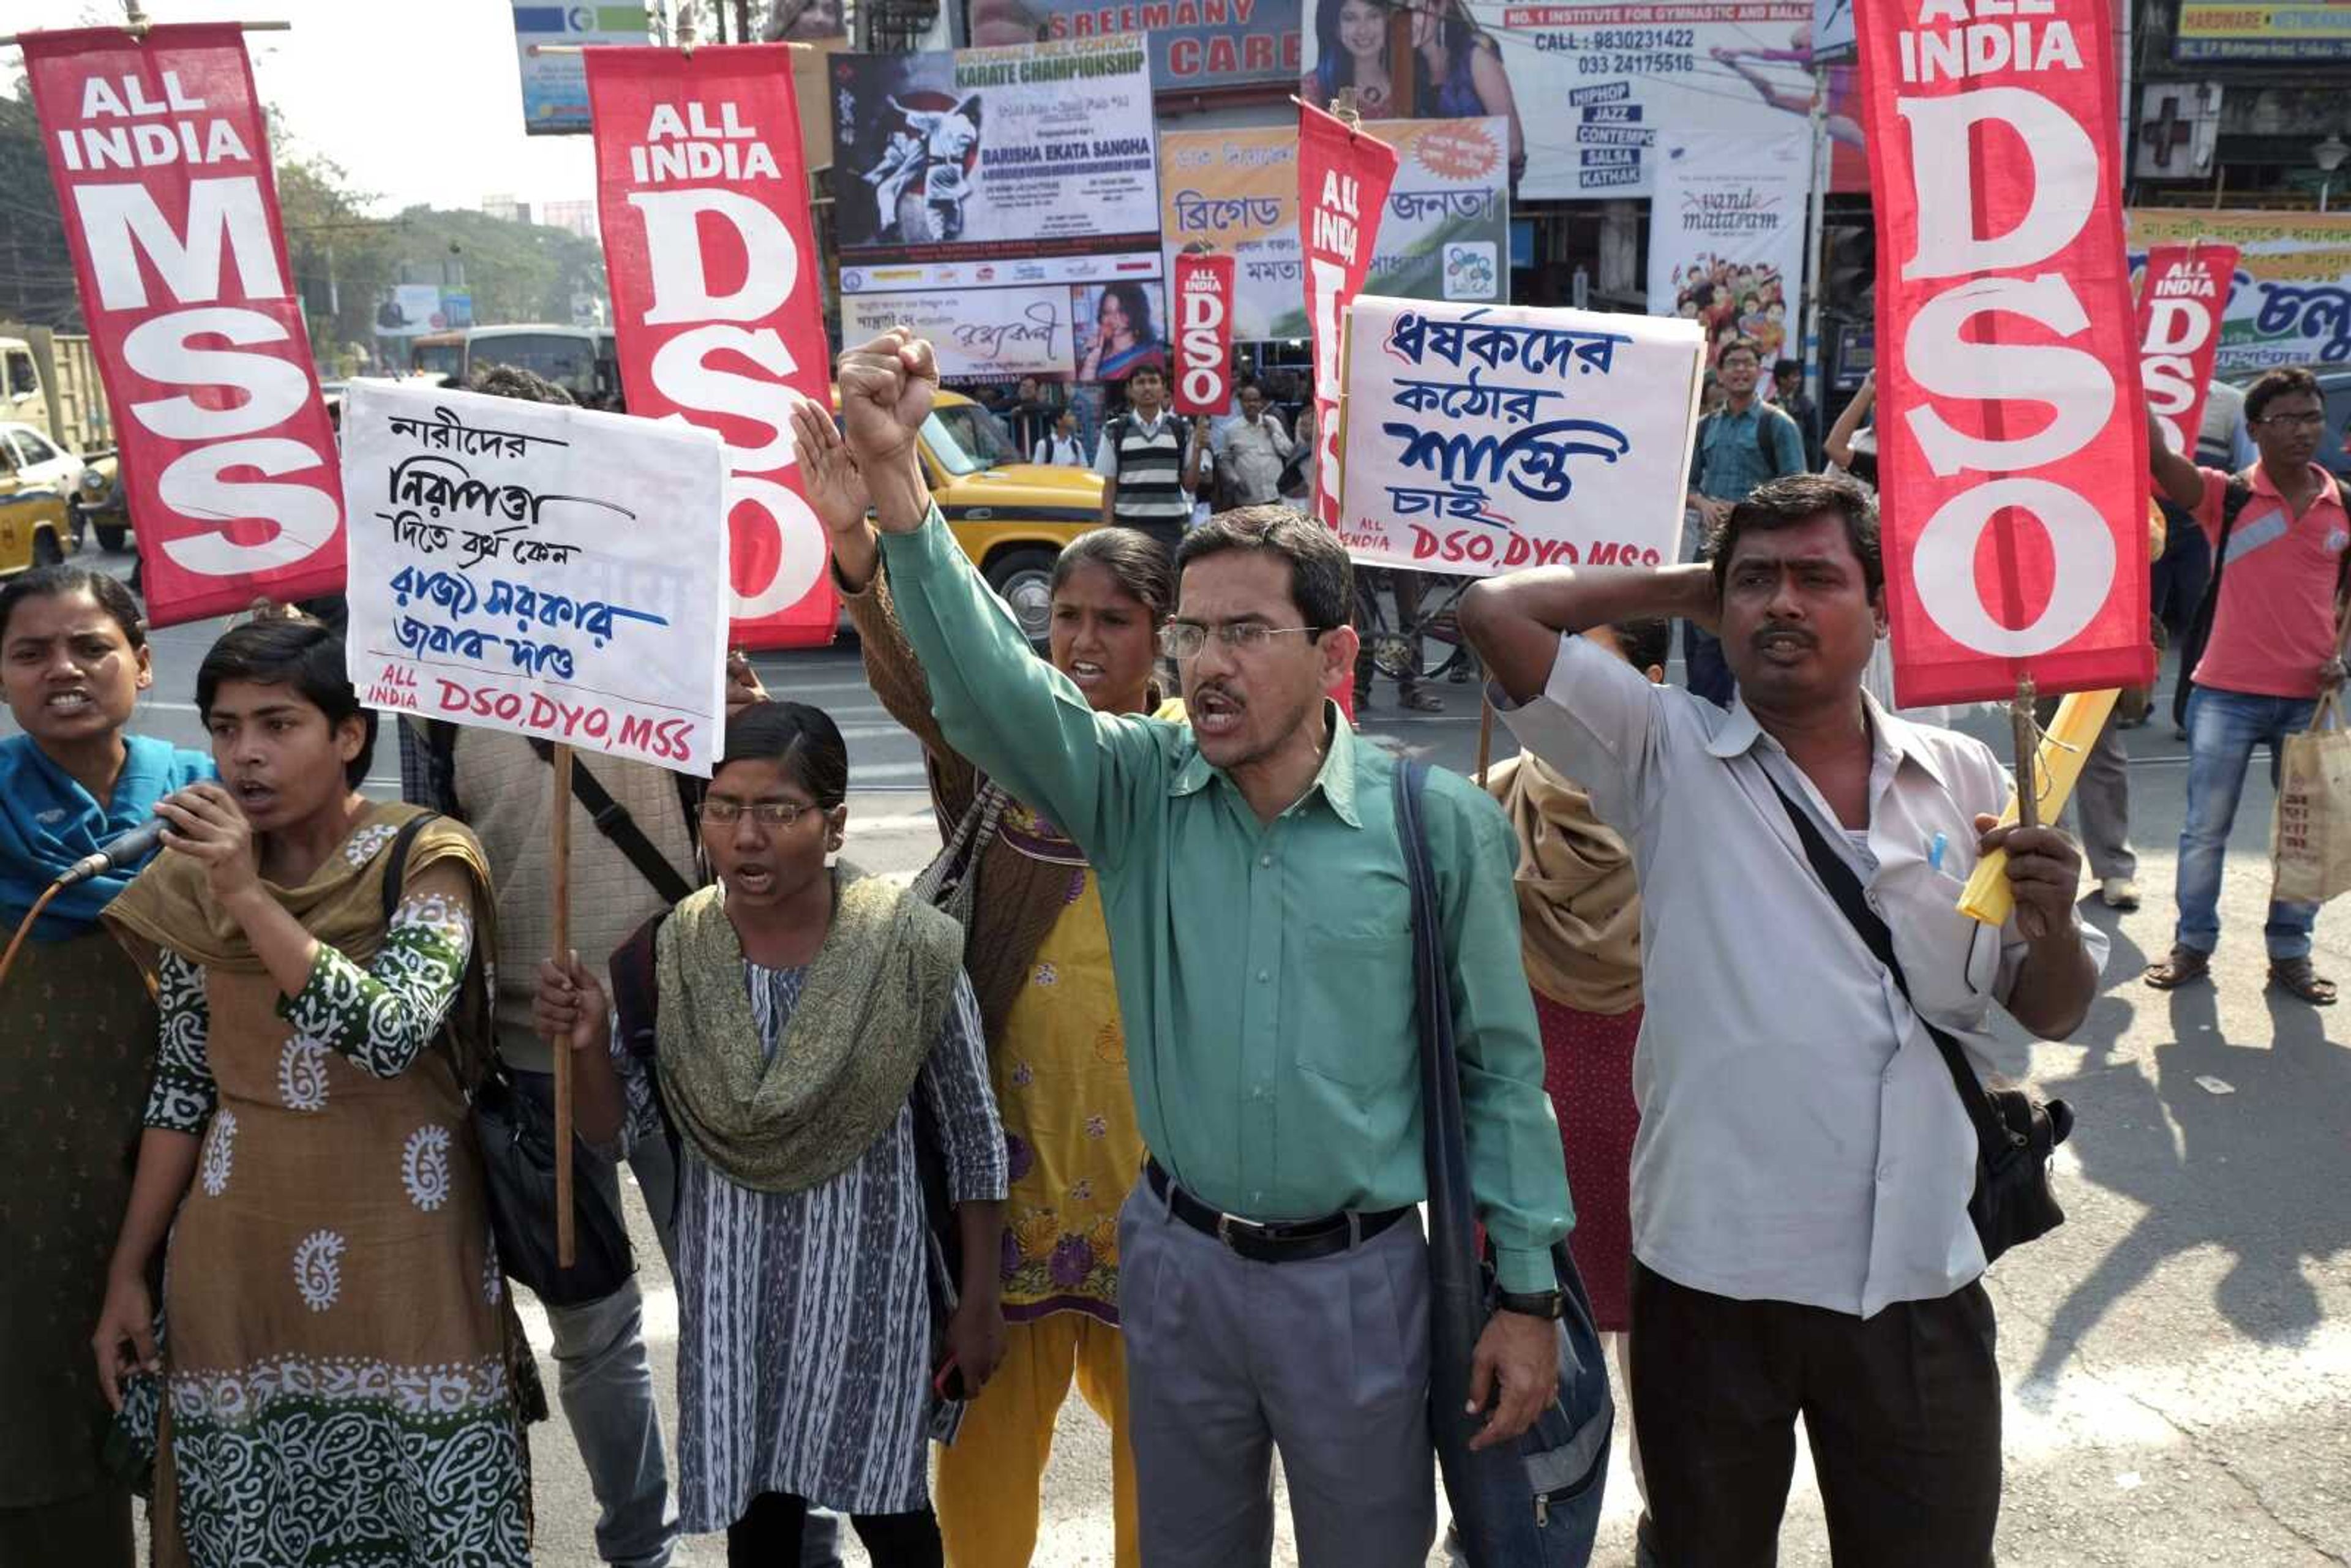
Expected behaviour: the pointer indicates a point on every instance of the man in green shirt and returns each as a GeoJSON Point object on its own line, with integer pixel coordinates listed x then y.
{"type": "Point", "coordinates": [1275, 1288]}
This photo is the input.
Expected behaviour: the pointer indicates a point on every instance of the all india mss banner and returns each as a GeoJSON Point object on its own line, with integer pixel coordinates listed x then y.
{"type": "Point", "coordinates": [538, 568]}
{"type": "Point", "coordinates": [1444, 234]}
{"type": "Point", "coordinates": [1484, 438]}
{"type": "Point", "coordinates": [1588, 88]}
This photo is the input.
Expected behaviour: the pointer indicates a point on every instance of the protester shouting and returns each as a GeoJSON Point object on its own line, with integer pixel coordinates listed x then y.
{"type": "Point", "coordinates": [1580, 923]}
{"type": "Point", "coordinates": [2277, 644]}
{"type": "Point", "coordinates": [1274, 1289]}
{"type": "Point", "coordinates": [330, 1255]}
{"type": "Point", "coordinates": [802, 1009]}
{"type": "Point", "coordinates": [76, 1042]}
{"type": "Point", "coordinates": [1039, 954]}
{"type": "Point", "coordinates": [1800, 1238]}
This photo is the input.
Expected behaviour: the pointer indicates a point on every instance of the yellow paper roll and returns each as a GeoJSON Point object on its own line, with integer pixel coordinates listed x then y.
{"type": "Point", "coordinates": [2064, 747]}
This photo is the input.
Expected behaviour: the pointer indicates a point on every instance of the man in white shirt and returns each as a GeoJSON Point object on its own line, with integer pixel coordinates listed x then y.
{"type": "Point", "coordinates": [1799, 1185]}
{"type": "Point", "coordinates": [1061, 448]}
{"type": "Point", "coordinates": [1250, 451]}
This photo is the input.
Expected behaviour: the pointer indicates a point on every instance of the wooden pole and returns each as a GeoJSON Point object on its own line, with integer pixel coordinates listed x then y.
{"type": "Point", "coordinates": [1485, 727]}
{"type": "Point", "coordinates": [2027, 734]}
{"type": "Point", "coordinates": [560, 845]}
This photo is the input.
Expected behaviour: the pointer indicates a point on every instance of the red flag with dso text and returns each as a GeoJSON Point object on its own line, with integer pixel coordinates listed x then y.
{"type": "Point", "coordinates": [1204, 333]}
{"type": "Point", "coordinates": [703, 199]}
{"type": "Point", "coordinates": [2012, 431]}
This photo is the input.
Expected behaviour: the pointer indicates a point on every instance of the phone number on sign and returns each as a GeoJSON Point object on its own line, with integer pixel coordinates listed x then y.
{"type": "Point", "coordinates": [1641, 38]}
{"type": "Point", "coordinates": [1657, 63]}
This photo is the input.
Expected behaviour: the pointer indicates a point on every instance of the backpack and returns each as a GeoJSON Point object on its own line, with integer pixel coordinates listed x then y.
{"type": "Point", "coordinates": [2233, 502]}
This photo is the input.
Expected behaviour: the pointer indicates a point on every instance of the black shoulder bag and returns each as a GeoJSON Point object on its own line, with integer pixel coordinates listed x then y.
{"type": "Point", "coordinates": [2233, 502]}
{"type": "Point", "coordinates": [517, 1138]}
{"type": "Point", "coordinates": [2015, 1134]}
{"type": "Point", "coordinates": [1534, 1503]}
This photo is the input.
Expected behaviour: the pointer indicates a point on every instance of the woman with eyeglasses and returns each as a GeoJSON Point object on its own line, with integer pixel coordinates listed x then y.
{"type": "Point", "coordinates": [1039, 954]}
{"type": "Point", "coordinates": [813, 1046]}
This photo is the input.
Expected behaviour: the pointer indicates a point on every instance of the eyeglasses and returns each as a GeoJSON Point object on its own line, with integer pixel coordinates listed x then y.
{"type": "Point", "coordinates": [1184, 639]}
{"type": "Point", "coordinates": [721, 813]}
{"type": "Point", "coordinates": [2293, 421]}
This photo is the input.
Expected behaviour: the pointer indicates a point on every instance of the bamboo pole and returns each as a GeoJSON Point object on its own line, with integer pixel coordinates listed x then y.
{"type": "Point", "coordinates": [559, 847]}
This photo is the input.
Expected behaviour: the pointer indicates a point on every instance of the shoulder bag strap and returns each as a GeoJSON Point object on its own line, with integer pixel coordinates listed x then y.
{"type": "Point", "coordinates": [395, 870]}
{"type": "Point", "coordinates": [612, 820]}
{"type": "Point", "coordinates": [1844, 889]}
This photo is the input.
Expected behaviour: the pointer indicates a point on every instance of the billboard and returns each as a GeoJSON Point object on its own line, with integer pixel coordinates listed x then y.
{"type": "Point", "coordinates": [1009, 196]}
{"type": "Point", "coordinates": [2318, 31]}
{"type": "Point", "coordinates": [1196, 45]}
{"type": "Point", "coordinates": [1587, 89]}
{"type": "Point", "coordinates": [555, 87]}
{"type": "Point", "coordinates": [1727, 237]}
{"type": "Point", "coordinates": [2290, 301]}
{"type": "Point", "coordinates": [1445, 234]}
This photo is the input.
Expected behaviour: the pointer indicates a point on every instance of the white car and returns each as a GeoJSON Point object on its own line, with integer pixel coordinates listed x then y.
{"type": "Point", "coordinates": [90, 490]}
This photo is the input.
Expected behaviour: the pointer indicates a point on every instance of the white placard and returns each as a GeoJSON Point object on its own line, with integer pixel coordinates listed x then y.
{"type": "Point", "coordinates": [1481, 438]}
{"type": "Point", "coordinates": [538, 568]}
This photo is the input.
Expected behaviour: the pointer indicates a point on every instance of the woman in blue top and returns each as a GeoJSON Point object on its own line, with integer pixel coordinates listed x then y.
{"type": "Point", "coordinates": [76, 1044]}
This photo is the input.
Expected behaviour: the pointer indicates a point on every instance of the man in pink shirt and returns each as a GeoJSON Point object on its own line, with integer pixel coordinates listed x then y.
{"type": "Point", "coordinates": [2276, 644]}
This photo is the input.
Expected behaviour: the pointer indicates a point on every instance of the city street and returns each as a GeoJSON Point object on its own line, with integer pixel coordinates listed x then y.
{"type": "Point", "coordinates": [2178, 1356]}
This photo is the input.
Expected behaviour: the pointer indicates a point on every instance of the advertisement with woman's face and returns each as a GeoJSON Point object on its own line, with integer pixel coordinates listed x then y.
{"type": "Point", "coordinates": [1119, 330]}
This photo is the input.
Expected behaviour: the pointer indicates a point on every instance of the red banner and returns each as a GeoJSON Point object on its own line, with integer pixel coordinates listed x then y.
{"type": "Point", "coordinates": [714, 271]}
{"type": "Point", "coordinates": [161, 161]}
{"type": "Point", "coordinates": [2181, 297]}
{"type": "Point", "coordinates": [1204, 334]}
{"type": "Point", "coordinates": [1342, 187]}
{"type": "Point", "coordinates": [2011, 441]}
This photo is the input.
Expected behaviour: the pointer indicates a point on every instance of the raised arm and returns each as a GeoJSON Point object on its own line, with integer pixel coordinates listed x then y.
{"type": "Point", "coordinates": [2178, 477]}
{"type": "Point", "coordinates": [1515, 622]}
{"type": "Point", "coordinates": [1839, 445]}
{"type": "Point", "coordinates": [1016, 718]}
{"type": "Point", "coordinates": [837, 491]}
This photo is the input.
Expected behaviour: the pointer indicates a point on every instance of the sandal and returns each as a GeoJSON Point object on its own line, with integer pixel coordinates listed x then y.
{"type": "Point", "coordinates": [2184, 967]}
{"type": "Point", "coordinates": [1420, 700]}
{"type": "Point", "coordinates": [2301, 976]}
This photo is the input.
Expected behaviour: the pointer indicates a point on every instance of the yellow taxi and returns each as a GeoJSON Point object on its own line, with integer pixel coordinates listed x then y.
{"type": "Point", "coordinates": [38, 480]}
{"type": "Point", "coordinates": [1011, 517]}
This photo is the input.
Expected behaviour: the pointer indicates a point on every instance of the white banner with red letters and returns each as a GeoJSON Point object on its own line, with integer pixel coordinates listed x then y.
{"type": "Point", "coordinates": [537, 568]}
{"type": "Point", "coordinates": [2182, 296]}
{"type": "Point", "coordinates": [160, 157]}
{"type": "Point", "coordinates": [1343, 177]}
{"type": "Point", "coordinates": [1204, 334]}
{"type": "Point", "coordinates": [2012, 439]}
{"type": "Point", "coordinates": [716, 296]}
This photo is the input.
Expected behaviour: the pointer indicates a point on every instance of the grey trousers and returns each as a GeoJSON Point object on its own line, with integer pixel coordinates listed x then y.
{"type": "Point", "coordinates": [606, 1384]}
{"type": "Point", "coordinates": [1230, 1360]}
{"type": "Point", "coordinates": [2101, 804]}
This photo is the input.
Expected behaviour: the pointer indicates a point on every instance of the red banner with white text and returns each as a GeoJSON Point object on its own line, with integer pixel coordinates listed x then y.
{"type": "Point", "coordinates": [160, 158]}
{"type": "Point", "coordinates": [2011, 439]}
{"type": "Point", "coordinates": [2181, 297]}
{"type": "Point", "coordinates": [1204, 333]}
{"type": "Point", "coordinates": [703, 200]}
{"type": "Point", "coordinates": [1343, 177]}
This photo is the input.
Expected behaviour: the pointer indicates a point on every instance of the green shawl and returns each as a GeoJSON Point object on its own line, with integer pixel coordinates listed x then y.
{"type": "Point", "coordinates": [869, 1012]}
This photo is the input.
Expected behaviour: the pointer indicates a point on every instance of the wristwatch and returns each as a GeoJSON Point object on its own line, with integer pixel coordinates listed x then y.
{"type": "Point", "coordinates": [1549, 1305]}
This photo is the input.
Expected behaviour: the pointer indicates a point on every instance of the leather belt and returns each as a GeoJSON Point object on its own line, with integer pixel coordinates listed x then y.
{"type": "Point", "coordinates": [1289, 1241]}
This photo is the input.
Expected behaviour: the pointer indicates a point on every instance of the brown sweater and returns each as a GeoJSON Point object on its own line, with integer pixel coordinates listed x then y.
{"type": "Point", "coordinates": [1017, 898]}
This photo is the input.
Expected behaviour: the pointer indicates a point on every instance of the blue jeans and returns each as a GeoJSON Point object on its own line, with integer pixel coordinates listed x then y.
{"type": "Point", "coordinates": [2224, 728]}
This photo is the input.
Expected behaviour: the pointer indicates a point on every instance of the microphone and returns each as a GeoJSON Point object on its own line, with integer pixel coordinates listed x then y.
{"type": "Point", "coordinates": [133, 846]}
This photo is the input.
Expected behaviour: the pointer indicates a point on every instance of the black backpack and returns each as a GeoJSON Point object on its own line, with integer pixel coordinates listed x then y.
{"type": "Point", "coordinates": [2233, 501]}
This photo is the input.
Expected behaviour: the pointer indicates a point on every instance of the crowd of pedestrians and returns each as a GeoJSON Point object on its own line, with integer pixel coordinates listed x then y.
{"type": "Point", "coordinates": [1124, 1096]}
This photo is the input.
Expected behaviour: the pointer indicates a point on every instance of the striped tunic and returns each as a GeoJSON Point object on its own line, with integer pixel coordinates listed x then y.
{"type": "Point", "coordinates": [804, 1349]}
{"type": "Point", "coordinates": [1149, 467]}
